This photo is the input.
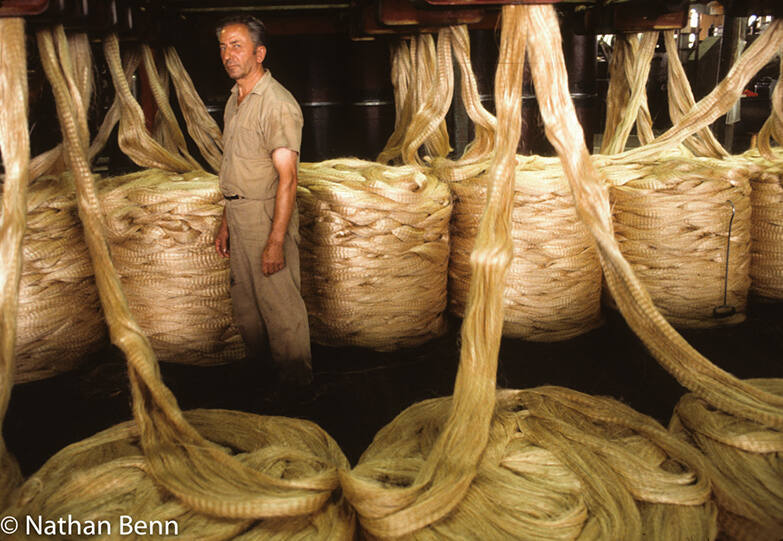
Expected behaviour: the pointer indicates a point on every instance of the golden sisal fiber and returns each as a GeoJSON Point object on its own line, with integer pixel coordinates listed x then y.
{"type": "Point", "coordinates": [746, 459]}
{"type": "Point", "coordinates": [59, 321]}
{"type": "Point", "coordinates": [672, 223]}
{"type": "Point", "coordinates": [201, 126]}
{"type": "Point", "coordinates": [411, 497]}
{"type": "Point", "coordinates": [106, 476]}
{"type": "Point", "coordinates": [184, 464]}
{"type": "Point", "coordinates": [15, 152]}
{"type": "Point", "coordinates": [374, 253]}
{"type": "Point", "coordinates": [553, 286]}
{"type": "Point", "coordinates": [161, 228]}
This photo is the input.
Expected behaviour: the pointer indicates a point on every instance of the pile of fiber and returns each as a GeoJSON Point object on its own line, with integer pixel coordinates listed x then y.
{"type": "Point", "coordinates": [672, 222]}
{"type": "Point", "coordinates": [558, 465]}
{"type": "Point", "coordinates": [161, 228]}
{"type": "Point", "coordinates": [374, 253]}
{"type": "Point", "coordinates": [104, 477]}
{"type": "Point", "coordinates": [766, 269]}
{"type": "Point", "coordinates": [59, 322]}
{"type": "Point", "coordinates": [746, 461]}
{"type": "Point", "coordinates": [553, 287]}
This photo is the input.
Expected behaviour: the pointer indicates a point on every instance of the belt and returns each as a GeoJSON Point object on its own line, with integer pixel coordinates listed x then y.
{"type": "Point", "coordinates": [232, 197]}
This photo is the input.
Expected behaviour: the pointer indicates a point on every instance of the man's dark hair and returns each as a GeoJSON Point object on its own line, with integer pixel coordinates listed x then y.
{"type": "Point", "coordinates": [255, 27]}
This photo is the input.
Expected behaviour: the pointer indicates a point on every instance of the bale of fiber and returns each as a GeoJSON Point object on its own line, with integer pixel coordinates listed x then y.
{"type": "Point", "coordinates": [672, 221]}
{"type": "Point", "coordinates": [59, 321]}
{"type": "Point", "coordinates": [99, 480]}
{"type": "Point", "coordinates": [160, 227]}
{"type": "Point", "coordinates": [374, 253]}
{"type": "Point", "coordinates": [766, 197]}
{"type": "Point", "coordinates": [559, 465]}
{"type": "Point", "coordinates": [553, 287]}
{"type": "Point", "coordinates": [746, 459]}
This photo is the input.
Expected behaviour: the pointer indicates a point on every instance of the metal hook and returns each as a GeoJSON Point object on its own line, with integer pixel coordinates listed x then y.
{"type": "Point", "coordinates": [724, 310]}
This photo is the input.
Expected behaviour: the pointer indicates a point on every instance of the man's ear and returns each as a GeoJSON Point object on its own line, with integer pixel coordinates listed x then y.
{"type": "Point", "coordinates": [260, 54]}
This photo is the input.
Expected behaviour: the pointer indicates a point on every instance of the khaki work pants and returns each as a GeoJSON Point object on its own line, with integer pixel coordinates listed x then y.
{"type": "Point", "coordinates": [268, 309]}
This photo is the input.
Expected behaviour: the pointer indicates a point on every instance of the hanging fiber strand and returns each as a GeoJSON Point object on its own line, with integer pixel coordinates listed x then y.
{"type": "Point", "coordinates": [199, 473]}
{"type": "Point", "coordinates": [201, 126]}
{"type": "Point", "coordinates": [15, 152]}
{"type": "Point", "coordinates": [169, 124]}
{"type": "Point", "coordinates": [444, 477]}
{"type": "Point", "coordinates": [401, 74]}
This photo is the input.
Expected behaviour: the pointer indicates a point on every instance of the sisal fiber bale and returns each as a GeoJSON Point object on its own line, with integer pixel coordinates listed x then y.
{"type": "Point", "coordinates": [60, 320]}
{"type": "Point", "coordinates": [553, 286]}
{"type": "Point", "coordinates": [161, 227]}
{"type": "Point", "coordinates": [104, 477]}
{"type": "Point", "coordinates": [747, 462]}
{"type": "Point", "coordinates": [559, 465]}
{"type": "Point", "coordinates": [766, 196]}
{"type": "Point", "coordinates": [374, 253]}
{"type": "Point", "coordinates": [672, 222]}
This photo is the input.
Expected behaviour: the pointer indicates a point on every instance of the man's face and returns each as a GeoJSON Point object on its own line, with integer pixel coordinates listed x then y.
{"type": "Point", "coordinates": [240, 57]}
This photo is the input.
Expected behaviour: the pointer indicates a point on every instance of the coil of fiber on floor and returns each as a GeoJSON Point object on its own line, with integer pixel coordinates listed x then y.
{"type": "Point", "coordinates": [374, 253]}
{"type": "Point", "coordinates": [747, 459]}
{"type": "Point", "coordinates": [161, 227]}
{"type": "Point", "coordinates": [185, 465]}
{"type": "Point", "coordinates": [672, 224]}
{"type": "Point", "coordinates": [15, 154]}
{"type": "Point", "coordinates": [553, 287]}
{"type": "Point", "coordinates": [559, 465]}
{"type": "Point", "coordinates": [60, 321]}
{"type": "Point", "coordinates": [104, 477]}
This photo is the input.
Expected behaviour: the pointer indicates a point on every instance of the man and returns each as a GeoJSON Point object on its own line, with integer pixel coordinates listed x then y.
{"type": "Point", "coordinates": [261, 137]}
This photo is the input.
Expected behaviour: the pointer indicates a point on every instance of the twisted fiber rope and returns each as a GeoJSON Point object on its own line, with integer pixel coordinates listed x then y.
{"type": "Point", "coordinates": [133, 137]}
{"type": "Point", "coordinates": [401, 78]}
{"type": "Point", "coordinates": [160, 227]}
{"type": "Point", "coordinates": [201, 126]}
{"type": "Point", "coordinates": [80, 74]}
{"type": "Point", "coordinates": [200, 475]}
{"type": "Point", "coordinates": [627, 96]}
{"type": "Point", "coordinates": [159, 85]}
{"type": "Point", "coordinates": [558, 465]}
{"type": "Point", "coordinates": [681, 100]}
{"type": "Point", "coordinates": [428, 125]}
{"type": "Point", "coordinates": [15, 152]}
{"type": "Point", "coordinates": [59, 319]}
{"type": "Point", "coordinates": [374, 253]}
{"type": "Point", "coordinates": [553, 287]}
{"type": "Point", "coordinates": [671, 224]}
{"type": "Point", "coordinates": [106, 476]}
{"type": "Point", "coordinates": [439, 483]}
{"type": "Point", "coordinates": [747, 462]}
{"type": "Point", "coordinates": [692, 370]}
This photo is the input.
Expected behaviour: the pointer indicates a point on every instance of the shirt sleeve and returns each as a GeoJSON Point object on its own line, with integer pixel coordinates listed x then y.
{"type": "Point", "coordinates": [282, 126]}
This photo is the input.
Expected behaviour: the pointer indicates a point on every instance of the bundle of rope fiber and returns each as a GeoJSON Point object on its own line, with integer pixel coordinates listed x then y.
{"type": "Point", "coordinates": [161, 228]}
{"type": "Point", "coordinates": [746, 459]}
{"type": "Point", "coordinates": [553, 287]}
{"type": "Point", "coordinates": [15, 152]}
{"type": "Point", "coordinates": [298, 478]}
{"type": "Point", "coordinates": [59, 322]}
{"type": "Point", "coordinates": [559, 464]}
{"type": "Point", "coordinates": [374, 253]}
{"type": "Point", "coordinates": [684, 226]}
{"type": "Point", "coordinates": [100, 480]}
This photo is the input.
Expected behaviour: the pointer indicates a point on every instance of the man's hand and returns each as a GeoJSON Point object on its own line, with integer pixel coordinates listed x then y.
{"type": "Point", "coordinates": [272, 260]}
{"type": "Point", "coordinates": [221, 239]}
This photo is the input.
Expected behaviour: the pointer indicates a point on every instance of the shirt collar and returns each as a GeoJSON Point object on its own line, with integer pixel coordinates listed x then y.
{"type": "Point", "coordinates": [259, 86]}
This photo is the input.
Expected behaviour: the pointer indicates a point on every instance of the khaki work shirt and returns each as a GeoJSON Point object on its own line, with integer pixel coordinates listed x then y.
{"type": "Point", "coordinates": [267, 119]}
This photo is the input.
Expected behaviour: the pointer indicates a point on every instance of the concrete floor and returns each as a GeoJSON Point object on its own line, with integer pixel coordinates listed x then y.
{"type": "Point", "coordinates": [357, 391]}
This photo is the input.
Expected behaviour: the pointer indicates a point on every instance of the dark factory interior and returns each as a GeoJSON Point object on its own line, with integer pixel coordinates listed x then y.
{"type": "Point", "coordinates": [335, 58]}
